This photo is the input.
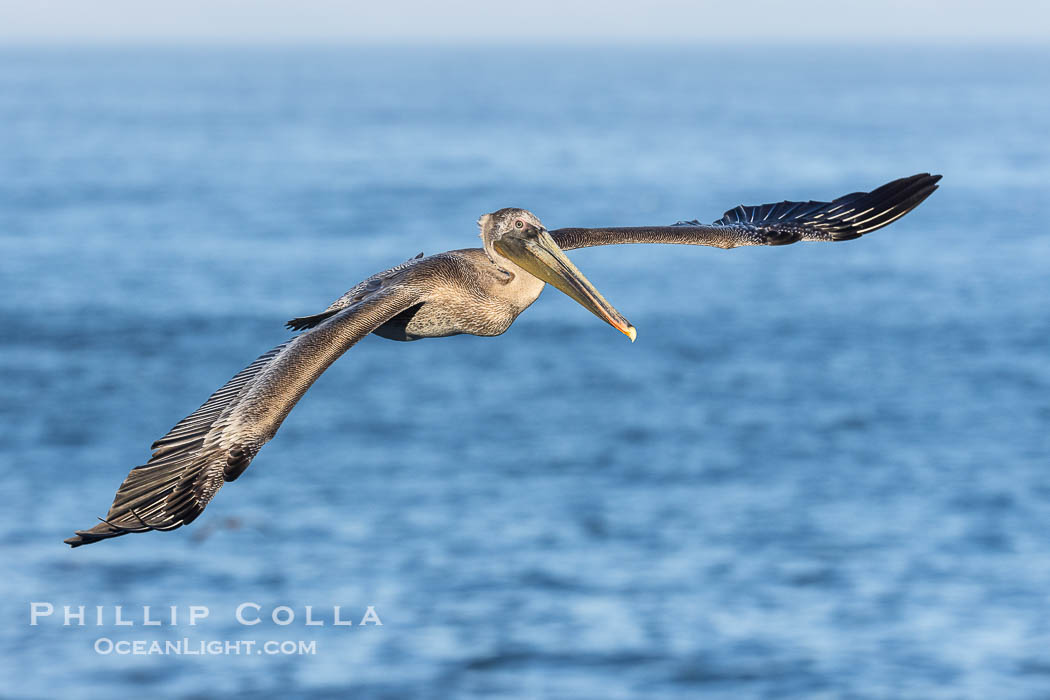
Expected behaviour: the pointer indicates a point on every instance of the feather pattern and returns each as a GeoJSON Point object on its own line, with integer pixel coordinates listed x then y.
{"type": "Point", "coordinates": [216, 443]}
{"type": "Point", "coordinates": [848, 217]}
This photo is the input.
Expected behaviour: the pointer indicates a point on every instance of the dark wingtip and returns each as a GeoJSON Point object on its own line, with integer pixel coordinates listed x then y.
{"type": "Point", "coordinates": [924, 181]}
{"type": "Point", "coordinates": [83, 537]}
{"type": "Point", "coordinates": [102, 531]}
{"type": "Point", "coordinates": [926, 185]}
{"type": "Point", "coordinates": [892, 201]}
{"type": "Point", "coordinates": [934, 179]}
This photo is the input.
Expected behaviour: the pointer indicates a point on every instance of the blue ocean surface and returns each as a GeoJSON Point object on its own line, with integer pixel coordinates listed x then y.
{"type": "Point", "coordinates": [823, 470]}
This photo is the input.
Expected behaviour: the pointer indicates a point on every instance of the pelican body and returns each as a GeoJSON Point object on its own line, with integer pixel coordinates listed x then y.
{"type": "Point", "coordinates": [478, 291]}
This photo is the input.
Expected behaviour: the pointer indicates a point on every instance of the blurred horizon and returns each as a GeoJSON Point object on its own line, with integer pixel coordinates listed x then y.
{"type": "Point", "coordinates": [599, 42]}
{"type": "Point", "coordinates": [559, 43]}
{"type": "Point", "coordinates": [477, 21]}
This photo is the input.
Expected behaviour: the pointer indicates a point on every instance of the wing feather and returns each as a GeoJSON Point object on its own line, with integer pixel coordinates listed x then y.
{"type": "Point", "coordinates": [843, 219]}
{"type": "Point", "coordinates": [216, 443]}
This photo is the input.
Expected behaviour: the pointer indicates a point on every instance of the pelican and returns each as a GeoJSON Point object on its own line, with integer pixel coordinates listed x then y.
{"type": "Point", "coordinates": [479, 291]}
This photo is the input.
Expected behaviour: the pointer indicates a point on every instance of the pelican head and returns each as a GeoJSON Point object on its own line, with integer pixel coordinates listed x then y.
{"type": "Point", "coordinates": [518, 236]}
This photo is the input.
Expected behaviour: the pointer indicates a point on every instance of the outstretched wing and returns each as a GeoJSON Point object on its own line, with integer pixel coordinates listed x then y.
{"type": "Point", "coordinates": [217, 442]}
{"type": "Point", "coordinates": [848, 217]}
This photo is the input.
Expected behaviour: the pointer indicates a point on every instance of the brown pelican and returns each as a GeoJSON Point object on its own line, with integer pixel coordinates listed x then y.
{"type": "Point", "coordinates": [476, 290]}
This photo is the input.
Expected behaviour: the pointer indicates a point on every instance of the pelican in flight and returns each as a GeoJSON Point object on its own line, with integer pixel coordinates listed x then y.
{"type": "Point", "coordinates": [479, 291]}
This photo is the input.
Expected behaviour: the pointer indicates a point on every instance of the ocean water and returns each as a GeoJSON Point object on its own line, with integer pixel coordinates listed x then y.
{"type": "Point", "coordinates": [821, 471]}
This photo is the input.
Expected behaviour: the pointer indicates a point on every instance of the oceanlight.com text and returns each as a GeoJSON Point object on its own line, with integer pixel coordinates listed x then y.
{"type": "Point", "coordinates": [187, 647]}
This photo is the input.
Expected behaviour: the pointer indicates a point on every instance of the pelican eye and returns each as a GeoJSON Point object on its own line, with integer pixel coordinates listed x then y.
{"type": "Point", "coordinates": [518, 224]}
